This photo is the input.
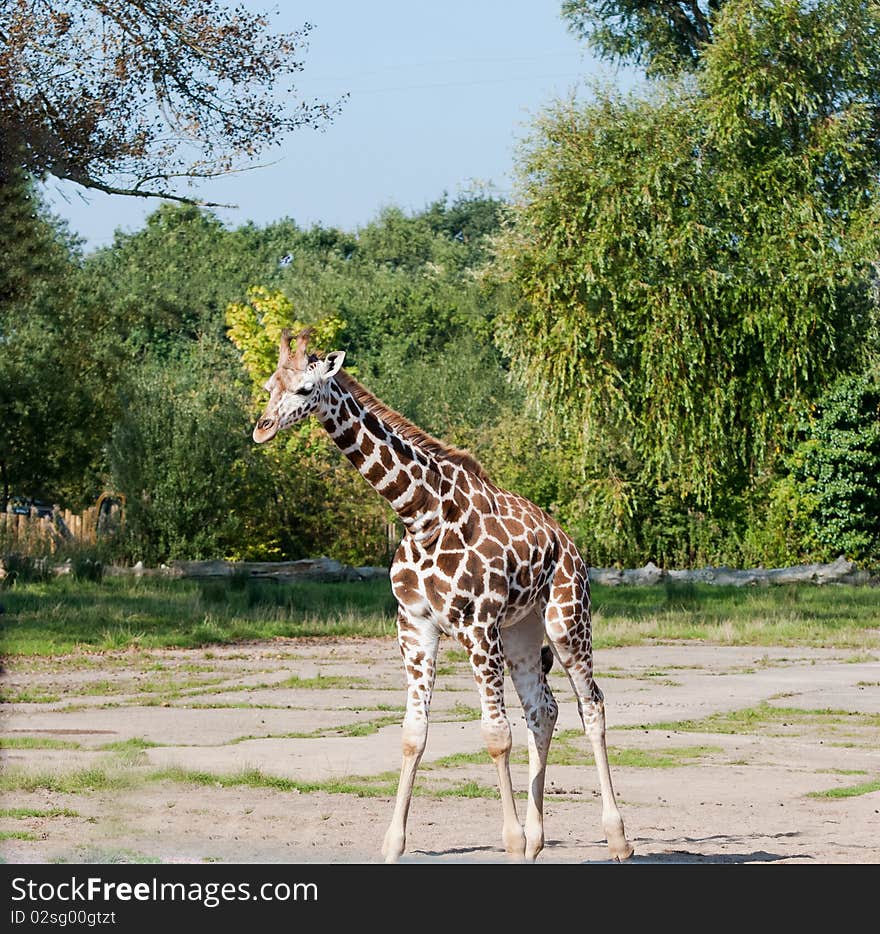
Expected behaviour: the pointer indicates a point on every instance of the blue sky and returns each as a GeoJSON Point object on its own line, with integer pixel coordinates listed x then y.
{"type": "Point", "coordinates": [439, 96]}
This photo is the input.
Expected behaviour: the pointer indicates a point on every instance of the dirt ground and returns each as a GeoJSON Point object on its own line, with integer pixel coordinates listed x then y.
{"type": "Point", "coordinates": [786, 725]}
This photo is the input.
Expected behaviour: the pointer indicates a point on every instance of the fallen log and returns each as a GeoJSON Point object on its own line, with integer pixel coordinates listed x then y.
{"type": "Point", "coordinates": [330, 570]}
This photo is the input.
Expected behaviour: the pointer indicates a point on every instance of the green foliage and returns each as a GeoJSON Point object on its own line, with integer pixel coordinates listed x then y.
{"type": "Point", "coordinates": [404, 301]}
{"type": "Point", "coordinates": [86, 567]}
{"type": "Point", "coordinates": [255, 328]}
{"type": "Point", "coordinates": [173, 279]}
{"type": "Point", "coordinates": [405, 281]}
{"type": "Point", "coordinates": [836, 467]}
{"type": "Point", "coordinates": [780, 528]}
{"type": "Point", "coordinates": [652, 313]}
{"type": "Point", "coordinates": [665, 36]}
{"type": "Point", "coordinates": [691, 269]}
{"type": "Point", "coordinates": [56, 370]}
{"type": "Point", "coordinates": [89, 560]}
{"type": "Point", "coordinates": [802, 73]}
{"type": "Point", "coordinates": [667, 362]}
{"type": "Point", "coordinates": [469, 219]}
{"type": "Point", "coordinates": [179, 454]}
{"type": "Point", "coordinates": [313, 508]}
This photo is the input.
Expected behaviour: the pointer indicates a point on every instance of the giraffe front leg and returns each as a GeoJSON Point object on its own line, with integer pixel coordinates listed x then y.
{"type": "Point", "coordinates": [418, 645]}
{"type": "Point", "coordinates": [487, 662]}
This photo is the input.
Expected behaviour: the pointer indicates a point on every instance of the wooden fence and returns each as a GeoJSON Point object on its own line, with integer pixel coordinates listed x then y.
{"type": "Point", "coordinates": [39, 534]}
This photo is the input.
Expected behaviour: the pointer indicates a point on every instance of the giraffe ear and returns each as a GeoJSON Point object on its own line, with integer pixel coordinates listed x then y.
{"type": "Point", "coordinates": [333, 363]}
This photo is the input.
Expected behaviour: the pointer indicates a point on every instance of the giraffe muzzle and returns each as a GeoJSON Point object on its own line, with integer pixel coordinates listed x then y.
{"type": "Point", "coordinates": [265, 429]}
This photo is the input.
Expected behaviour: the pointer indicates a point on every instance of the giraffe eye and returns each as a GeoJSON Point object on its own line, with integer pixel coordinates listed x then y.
{"type": "Point", "coordinates": [304, 390]}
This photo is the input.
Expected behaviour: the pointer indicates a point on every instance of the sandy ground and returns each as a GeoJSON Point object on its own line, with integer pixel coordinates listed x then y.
{"type": "Point", "coordinates": [686, 794]}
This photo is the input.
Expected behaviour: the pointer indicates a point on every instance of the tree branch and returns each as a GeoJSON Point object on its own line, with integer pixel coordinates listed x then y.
{"type": "Point", "coordinates": [140, 193]}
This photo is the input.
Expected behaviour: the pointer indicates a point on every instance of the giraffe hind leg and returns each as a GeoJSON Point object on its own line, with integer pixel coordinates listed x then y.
{"type": "Point", "coordinates": [487, 662]}
{"type": "Point", "coordinates": [528, 667]}
{"type": "Point", "coordinates": [568, 628]}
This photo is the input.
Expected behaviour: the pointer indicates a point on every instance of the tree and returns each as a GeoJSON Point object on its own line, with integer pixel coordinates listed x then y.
{"type": "Point", "coordinates": [693, 268]}
{"type": "Point", "coordinates": [56, 360]}
{"type": "Point", "coordinates": [404, 299]}
{"type": "Point", "coordinates": [129, 97]}
{"type": "Point", "coordinates": [172, 279]}
{"type": "Point", "coordinates": [665, 36]}
{"type": "Point", "coordinates": [315, 499]}
{"type": "Point", "coordinates": [180, 453]}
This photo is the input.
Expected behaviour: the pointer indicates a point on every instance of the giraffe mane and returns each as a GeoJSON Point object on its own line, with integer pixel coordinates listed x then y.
{"type": "Point", "coordinates": [419, 438]}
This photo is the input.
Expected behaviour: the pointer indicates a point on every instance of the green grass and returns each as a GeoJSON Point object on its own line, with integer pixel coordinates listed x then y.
{"type": "Point", "coordinates": [128, 747]}
{"type": "Point", "coordinates": [671, 758]}
{"type": "Point", "coordinates": [252, 736]}
{"type": "Point", "coordinates": [367, 727]}
{"type": "Point", "coordinates": [361, 786]}
{"type": "Point", "coordinates": [358, 728]}
{"type": "Point", "coordinates": [164, 689]}
{"type": "Point", "coordinates": [568, 748]}
{"type": "Point", "coordinates": [458, 759]}
{"type": "Point", "coordinates": [37, 742]}
{"type": "Point", "coordinates": [92, 854]}
{"type": "Point", "coordinates": [851, 791]}
{"type": "Point", "coordinates": [833, 616]}
{"type": "Point", "coordinates": [764, 717]}
{"type": "Point", "coordinates": [86, 781]}
{"type": "Point", "coordinates": [65, 615]}
{"type": "Point", "coordinates": [465, 712]}
{"type": "Point", "coordinates": [319, 682]}
{"type": "Point", "coordinates": [23, 813]}
{"type": "Point", "coordinates": [227, 705]}
{"type": "Point", "coordinates": [467, 789]}
{"type": "Point", "coordinates": [17, 835]}
{"type": "Point", "coordinates": [294, 682]}
{"type": "Point", "coordinates": [78, 781]}
{"type": "Point", "coordinates": [29, 696]}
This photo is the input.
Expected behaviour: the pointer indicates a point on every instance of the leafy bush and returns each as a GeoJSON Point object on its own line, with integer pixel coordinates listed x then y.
{"type": "Point", "coordinates": [836, 468]}
{"type": "Point", "coordinates": [181, 456]}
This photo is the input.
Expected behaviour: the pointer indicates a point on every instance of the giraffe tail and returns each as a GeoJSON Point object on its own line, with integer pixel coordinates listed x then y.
{"type": "Point", "coordinates": [546, 659]}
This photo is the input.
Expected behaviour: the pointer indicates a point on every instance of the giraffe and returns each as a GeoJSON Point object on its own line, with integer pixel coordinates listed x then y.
{"type": "Point", "coordinates": [478, 563]}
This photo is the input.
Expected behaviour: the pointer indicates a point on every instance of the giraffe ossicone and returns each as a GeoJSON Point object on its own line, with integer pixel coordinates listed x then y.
{"type": "Point", "coordinates": [478, 563]}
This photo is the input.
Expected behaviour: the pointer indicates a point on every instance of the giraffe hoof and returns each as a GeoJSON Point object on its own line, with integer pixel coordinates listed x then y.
{"type": "Point", "coordinates": [618, 846]}
{"type": "Point", "coordinates": [515, 844]}
{"type": "Point", "coordinates": [392, 847]}
{"type": "Point", "coordinates": [619, 854]}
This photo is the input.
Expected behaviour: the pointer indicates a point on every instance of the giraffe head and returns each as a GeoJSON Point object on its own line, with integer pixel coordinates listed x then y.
{"type": "Point", "coordinates": [296, 387]}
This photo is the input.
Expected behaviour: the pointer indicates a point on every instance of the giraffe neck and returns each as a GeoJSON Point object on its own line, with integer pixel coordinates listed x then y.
{"type": "Point", "coordinates": [408, 477]}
